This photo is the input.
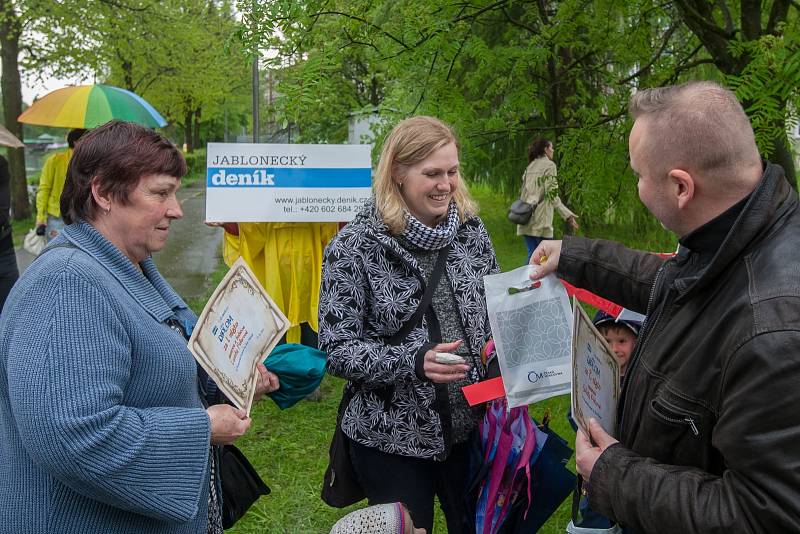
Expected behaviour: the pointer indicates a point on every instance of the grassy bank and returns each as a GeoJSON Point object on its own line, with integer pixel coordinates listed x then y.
{"type": "Point", "coordinates": [290, 448]}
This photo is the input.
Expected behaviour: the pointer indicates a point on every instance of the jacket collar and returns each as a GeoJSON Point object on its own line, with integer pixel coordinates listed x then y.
{"type": "Point", "coordinates": [770, 200]}
{"type": "Point", "coordinates": [376, 230]}
{"type": "Point", "coordinates": [147, 287]}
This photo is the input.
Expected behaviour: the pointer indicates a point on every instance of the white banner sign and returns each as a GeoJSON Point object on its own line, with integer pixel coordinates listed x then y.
{"type": "Point", "coordinates": [286, 183]}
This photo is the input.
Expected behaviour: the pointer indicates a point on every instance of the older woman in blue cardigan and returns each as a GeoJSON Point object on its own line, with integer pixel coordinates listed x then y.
{"type": "Point", "coordinates": [103, 423]}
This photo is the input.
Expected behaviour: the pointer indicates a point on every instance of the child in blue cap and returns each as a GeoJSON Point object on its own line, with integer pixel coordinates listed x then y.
{"type": "Point", "coordinates": [621, 336]}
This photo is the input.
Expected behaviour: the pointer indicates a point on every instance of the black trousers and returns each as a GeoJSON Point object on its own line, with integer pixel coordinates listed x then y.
{"type": "Point", "coordinates": [8, 267]}
{"type": "Point", "coordinates": [388, 478]}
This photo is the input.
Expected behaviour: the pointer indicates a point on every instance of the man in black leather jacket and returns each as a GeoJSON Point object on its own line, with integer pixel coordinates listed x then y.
{"type": "Point", "coordinates": [709, 431]}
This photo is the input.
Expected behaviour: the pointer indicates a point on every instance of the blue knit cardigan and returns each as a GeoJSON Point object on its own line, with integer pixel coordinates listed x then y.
{"type": "Point", "coordinates": [102, 429]}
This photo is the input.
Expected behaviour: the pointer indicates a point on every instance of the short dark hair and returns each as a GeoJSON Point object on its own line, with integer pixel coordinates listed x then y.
{"type": "Point", "coordinates": [116, 156]}
{"type": "Point", "coordinates": [537, 148]}
{"type": "Point", "coordinates": [699, 126]}
{"type": "Point", "coordinates": [74, 135]}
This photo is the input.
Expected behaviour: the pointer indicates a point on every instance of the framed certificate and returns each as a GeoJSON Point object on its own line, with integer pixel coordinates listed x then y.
{"type": "Point", "coordinates": [239, 325]}
{"type": "Point", "coordinates": [595, 375]}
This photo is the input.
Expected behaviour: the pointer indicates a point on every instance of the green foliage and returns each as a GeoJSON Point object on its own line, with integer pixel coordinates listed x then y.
{"type": "Point", "coordinates": [180, 55]}
{"type": "Point", "coordinates": [769, 82]}
{"type": "Point", "coordinates": [505, 72]}
{"type": "Point", "coordinates": [501, 73]}
{"type": "Point", "coordinates": [195, 164]}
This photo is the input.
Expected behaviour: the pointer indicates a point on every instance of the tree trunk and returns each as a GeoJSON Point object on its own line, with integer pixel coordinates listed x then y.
{"type": "Point", "coordinates": [12, 107]}
{"type": "Point", "coordinates": [187, 131]}
{"type": "Point", "coordinates": [196, 129]}
{"type": "Point", "coordinates": [127, 72]}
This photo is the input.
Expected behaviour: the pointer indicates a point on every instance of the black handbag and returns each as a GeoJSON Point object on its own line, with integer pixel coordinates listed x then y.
{"type": "Point", "coordinates": [520, 211]}
{"type": "Point", "coordinates": [340, 487]}
{"type": "Point", "coordinates": [241, 485]}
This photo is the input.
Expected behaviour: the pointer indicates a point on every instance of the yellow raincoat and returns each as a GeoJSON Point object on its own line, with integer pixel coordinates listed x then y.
{"type": "Point", "coordinates": [291, 253]}
{"type": "Point", "coordinates": [51, 184]}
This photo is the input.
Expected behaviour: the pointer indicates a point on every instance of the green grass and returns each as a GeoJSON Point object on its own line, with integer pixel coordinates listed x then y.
{"type": "Point", "coordinates": [289, 448]}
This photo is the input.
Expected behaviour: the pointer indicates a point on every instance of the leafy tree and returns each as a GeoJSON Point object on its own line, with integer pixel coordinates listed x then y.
{"type": "Point", "coordinates": [177, 54]}
{"type": "Point", "coordinates": [505, 71]}
{"type": "Point", "coordinates": [10, 30]}
{"type": "Point", "coordinates": [757, 46]}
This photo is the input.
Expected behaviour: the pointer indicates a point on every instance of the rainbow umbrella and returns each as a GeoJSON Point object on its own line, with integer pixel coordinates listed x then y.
{"type": "Point", "coordinates": [89, 106]}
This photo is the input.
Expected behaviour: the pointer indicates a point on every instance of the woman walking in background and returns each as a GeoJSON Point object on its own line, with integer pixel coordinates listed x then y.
{"type": "Point", "coordinates": [540, 188]}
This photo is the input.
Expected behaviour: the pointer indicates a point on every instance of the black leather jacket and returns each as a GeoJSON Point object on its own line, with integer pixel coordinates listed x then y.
{"type": "Point", "coordinates": [710, 426]}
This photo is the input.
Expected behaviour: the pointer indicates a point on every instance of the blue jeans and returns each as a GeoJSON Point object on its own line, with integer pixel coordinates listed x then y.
{"type": "Point", "coordinates": [55, 225]}
{"type": "Point", "coordinates": [533, 241]}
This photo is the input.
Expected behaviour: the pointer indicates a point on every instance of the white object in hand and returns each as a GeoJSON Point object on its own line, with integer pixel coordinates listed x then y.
{"type": "Point", "coordinates": [447, 358]}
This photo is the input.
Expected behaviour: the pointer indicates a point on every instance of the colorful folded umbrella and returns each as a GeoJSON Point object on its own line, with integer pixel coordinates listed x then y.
{"type": "Point", "coordinates": [8, 139]}
{"type": "Point", "coordinates": [89, 106]}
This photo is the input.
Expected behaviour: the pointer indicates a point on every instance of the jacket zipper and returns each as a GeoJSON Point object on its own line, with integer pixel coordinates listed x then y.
{"type": "Point", "coordinates": [641, 346]}
{"type": "Point", "coordinates": [688, 420]}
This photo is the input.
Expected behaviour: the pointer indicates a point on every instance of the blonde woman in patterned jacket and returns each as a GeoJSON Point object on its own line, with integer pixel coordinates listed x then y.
{"type": "Point", "coordinates": [408, 422]}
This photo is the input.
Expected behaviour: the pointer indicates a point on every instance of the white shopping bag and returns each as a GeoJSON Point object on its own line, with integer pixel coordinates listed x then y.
{"type": "Point", "coordinates": [34, 243]}
{"type": "Point", "coordinates": [532, 330]}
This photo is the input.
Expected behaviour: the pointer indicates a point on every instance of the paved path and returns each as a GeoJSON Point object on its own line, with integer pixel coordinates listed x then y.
{"type": "Point", "coordinates": [193, 249]}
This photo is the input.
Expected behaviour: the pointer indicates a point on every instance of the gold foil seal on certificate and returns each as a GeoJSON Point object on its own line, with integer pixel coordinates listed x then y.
{"type": "Point", "coordinates": [239, 327]}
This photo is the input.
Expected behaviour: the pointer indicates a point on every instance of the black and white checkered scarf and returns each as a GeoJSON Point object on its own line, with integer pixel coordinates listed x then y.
{"type": "Point", "coordinates": [427, 238]}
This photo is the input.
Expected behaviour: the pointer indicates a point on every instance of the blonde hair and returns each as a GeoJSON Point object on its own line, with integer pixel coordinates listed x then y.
{"type": "Point", "coordinates": [410, 142]}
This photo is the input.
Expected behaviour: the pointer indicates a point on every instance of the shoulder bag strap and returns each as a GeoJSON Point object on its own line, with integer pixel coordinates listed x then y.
{"type": "Point", "coordinates": [436, 275]}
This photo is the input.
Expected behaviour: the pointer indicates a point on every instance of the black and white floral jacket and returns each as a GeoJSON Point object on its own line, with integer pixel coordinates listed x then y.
{"type": "Point", "coordinates": [370, 287]}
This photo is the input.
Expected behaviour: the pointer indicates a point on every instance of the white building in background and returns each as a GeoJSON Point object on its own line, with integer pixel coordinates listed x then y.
{"type": "Point", "coordinates": [362, 126]}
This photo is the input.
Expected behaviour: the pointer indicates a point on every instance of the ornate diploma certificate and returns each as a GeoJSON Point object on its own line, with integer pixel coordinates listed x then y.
{"type": "Point", "coordinates": [239, 325]}
{"type": "Point", "coordinates": [595, 375]}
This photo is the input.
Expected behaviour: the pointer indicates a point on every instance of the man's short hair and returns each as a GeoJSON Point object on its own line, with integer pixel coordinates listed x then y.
{"type": "Point", "coordinates": [699, 127]}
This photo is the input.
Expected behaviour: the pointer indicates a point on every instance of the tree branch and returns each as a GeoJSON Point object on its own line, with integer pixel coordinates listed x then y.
{"type": "Point", "coordinates": [750, 19]}
{"type": "Point", "coordinates": [517, 23]}
{"type": "Point", "coordinates": [778, 14]}
{"type": "Point", "coordinates": [714, 38]}
{"type": "Point", "coordinates": [355, 42]}
{"type": "Point", "coordinates": [121, 5]}
{"type": "Point", "coordinates": [726, 13]}
{"type": "Point", "coordinates": [702, 19]}
{"type": "Point", "coordinates": [664, 42]}
{"type": "Point", "coordinates": [480, 11]}
{"type": "Point", "coordinates": [365, 22]}
{"type": "Point", "coordinates": [422, 94]}
{"type": "Point", "coordinates": [455, 56]}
